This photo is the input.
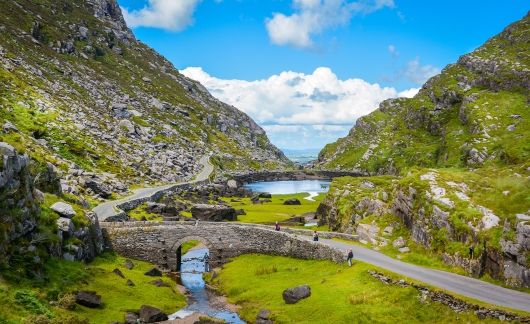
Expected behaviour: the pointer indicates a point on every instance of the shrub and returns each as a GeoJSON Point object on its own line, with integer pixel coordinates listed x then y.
{"type": "Point", "coordinates": [31, 303]}
{"type": "Point", "coordinates": [67, 301]}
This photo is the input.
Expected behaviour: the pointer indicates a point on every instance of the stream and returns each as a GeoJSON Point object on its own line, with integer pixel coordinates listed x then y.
{"type": "Point", "coordinates": [201, 300]}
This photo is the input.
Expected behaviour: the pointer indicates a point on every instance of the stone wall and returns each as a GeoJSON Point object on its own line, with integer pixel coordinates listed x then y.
{"type": "Point", "coordinates": [158, 242]}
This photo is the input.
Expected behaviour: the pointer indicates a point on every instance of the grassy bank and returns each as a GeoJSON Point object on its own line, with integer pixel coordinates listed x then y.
{"type": "Point", "coordinates": [23, 300]}
{"type": "Point", "coordinates": [339, 294]}
{"type": "Point", "coordinates": [269, 212]}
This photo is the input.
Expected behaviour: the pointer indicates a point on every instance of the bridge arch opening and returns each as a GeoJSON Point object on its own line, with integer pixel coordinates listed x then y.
{"type": "Point", "coordinates": [200, 249]}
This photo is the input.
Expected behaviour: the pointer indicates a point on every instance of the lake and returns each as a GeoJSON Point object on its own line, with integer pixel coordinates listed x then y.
{"type": "Point", "coordinates": [290, 186]}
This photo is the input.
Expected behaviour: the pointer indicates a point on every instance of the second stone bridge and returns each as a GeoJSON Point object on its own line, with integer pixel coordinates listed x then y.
{"type": "Point", "coordinates": [160, 243]}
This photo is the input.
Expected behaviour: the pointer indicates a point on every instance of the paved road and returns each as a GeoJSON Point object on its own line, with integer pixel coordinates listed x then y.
{"type": "Point", "coordinates": [457, 284]}
{"type": "Point", "coordinates": [110, 209]}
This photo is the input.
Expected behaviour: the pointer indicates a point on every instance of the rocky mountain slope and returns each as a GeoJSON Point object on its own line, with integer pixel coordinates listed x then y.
{"type": "Point", "coordinates": [453, 165]}
{"type": "Point", "coordinates": [86, 110]}
{"type": "Point", "coordinates": [79, 91]}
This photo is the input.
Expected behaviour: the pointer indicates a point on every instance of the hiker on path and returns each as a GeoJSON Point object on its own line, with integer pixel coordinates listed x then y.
{"type": "Point", "coordinates": [315, 236]}
{"type": "Point", "coordinates": [350, 257]}
{"type": "Point", "coordinates": [277, 227]}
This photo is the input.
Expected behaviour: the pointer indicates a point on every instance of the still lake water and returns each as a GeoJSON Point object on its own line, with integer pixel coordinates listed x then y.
{"type": "Point", "coordinates": [312, 187]}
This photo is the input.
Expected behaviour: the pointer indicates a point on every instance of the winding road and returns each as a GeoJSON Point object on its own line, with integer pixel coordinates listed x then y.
{"type": "Point", "coordinates": [461, 285]}
{"type": "Point", "coordinates": [110, 210]}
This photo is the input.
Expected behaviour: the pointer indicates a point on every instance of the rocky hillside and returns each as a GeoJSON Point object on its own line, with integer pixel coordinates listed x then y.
{"type": "Point", "coordinates": [453, 165]}
{"type": "Point", "coordinates": [79, 91]}
{"type": "Point", "coordinates": [475, 113]}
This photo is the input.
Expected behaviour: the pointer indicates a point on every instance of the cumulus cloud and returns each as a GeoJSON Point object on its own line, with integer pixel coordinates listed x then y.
{"type": "Point", "coordinates": [393, 51]}
{"type": "Point", "coordinates": [314, 16]}
{"type": "Point", "coordinates": [418, 73]}
{"type": "Point", "coordinates": [308, 110]}
{"type": "Point", "coordinates": [292, 98]}
{"type": "Point", "coordinates": [173, 15]}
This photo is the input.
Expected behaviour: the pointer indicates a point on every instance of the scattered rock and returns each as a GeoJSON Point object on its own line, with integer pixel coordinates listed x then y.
{"type": "Point", "coordinates": [130, 283]}
{"type": "Point", "coordinates": [154, 273]}
{"type": "Point", "coordinates": [292, 201]}
{"type": "Point", "coordinates": [399, 242]}
{"type": "Point", "coordinates": [231, 184]}
{"type": "Point", "coordinates": [131, 318]}
{"type": "Point", "coordinates": [404, 250]}
{"type": "Point", "coordinates": [264, 317]}
{"type": "Point", "coordinates": [63, 209]}
{"type": "Point", "coordinates": [159, 283]}
{"type": "Point", "coordinates": [9, 127]}
{"type": "Point", "coordinates": [118, 272]}
{"type": "Point", "coordinates": [88, 299]}
{"type": "Point", "coordinates": [265, 195]}
{"type": "Point", "coordinates": [128, 264]}
{"type": "Point", "coordinates": [294, 295]}
{"type": "Point", "coordinates": [150, 314]}
{"type": "Point", "coordinates": [368, 232]}
{"type": "Point", "coordinates": [65, 225]}
{"type": "Point", "coordinates": [388, 230]}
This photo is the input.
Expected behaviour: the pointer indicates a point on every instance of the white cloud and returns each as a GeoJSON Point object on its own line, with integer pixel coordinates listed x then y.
{"type": "Point", "coordinates": [297, 109]}
{"type": "Point", "coordinates": [314, 16]}
{"type": "Point", "coordinates": [418, 73]}
{"type": "Point", "coordinates": [173, 15]}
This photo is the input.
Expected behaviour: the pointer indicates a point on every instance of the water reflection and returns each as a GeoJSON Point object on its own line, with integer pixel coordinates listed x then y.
{"type": "Point", "coordinates": [290, 186]}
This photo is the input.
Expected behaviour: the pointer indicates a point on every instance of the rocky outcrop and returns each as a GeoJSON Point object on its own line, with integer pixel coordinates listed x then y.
{"type": "Point", "coordinates": [213, 213]}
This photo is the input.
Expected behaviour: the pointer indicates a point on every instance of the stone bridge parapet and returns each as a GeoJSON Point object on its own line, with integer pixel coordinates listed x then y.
{"type": "Point", "coordinates": [158, 242]}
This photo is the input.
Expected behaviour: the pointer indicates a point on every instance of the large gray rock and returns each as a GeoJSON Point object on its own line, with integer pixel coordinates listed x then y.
{"type": "Point", "coordinates": [99, 188]}
{"type": "Point", "coordinates": [292, 201]}
{"type": "Point", "coordinates": [150, 314]}
{"type": "Point", "coordinates": [215, 213]}
{"type": "Point", "coordinates": [65, 225]}
{"type": "Point", "coordinates": [368, 232]}
{"type": "Point", "coordinates": [264, 317]}
{"type": "Point", "coordinates": [88, 299]}
{"type": "Point", "coordinates": [294, 295]}
{"type": "Point", "coordinates": [63, 209]}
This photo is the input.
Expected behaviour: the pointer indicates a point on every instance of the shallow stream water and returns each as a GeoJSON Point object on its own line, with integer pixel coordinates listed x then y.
{"type": "Point", "coordinates": [201, 299]}
{"type": "Point", "coordinates": [290, 186]}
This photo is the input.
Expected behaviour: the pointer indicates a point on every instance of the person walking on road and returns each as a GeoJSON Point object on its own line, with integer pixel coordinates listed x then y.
{"type": "Point", "coordinates": [315, 236]}
{"type": "Point", "coordinates": [277, 227]}
{"type": "Point", "coordinates": [350, 257]}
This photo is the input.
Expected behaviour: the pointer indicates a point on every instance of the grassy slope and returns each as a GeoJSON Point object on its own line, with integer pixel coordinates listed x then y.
{"type": "Point", "coordinates": [275, 210]}
{"type": "Point", "coordinates": [339, 294]}
{"type": "Point", "coordinates": [65, 277]}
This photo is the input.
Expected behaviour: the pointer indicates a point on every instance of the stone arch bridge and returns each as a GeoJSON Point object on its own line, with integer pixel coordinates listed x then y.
{"type": "Point", "coordinates": [159, 243]}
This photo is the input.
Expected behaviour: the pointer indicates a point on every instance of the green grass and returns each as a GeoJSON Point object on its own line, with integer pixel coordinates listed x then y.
{"type": "Point", "coordinates": [274, 211]}
{"type": "Point", "coordinates": [21, 297]}
{"type": "Point", "coordinates": [139, 213]}
{"type": "Point", "coordinates": [189, 245]}
{"type": "Point", "coordinates": [339, 294]}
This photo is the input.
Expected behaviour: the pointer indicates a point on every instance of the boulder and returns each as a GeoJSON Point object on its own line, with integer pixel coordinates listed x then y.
{"type": "Point", "coordinates": [118, 272]}
{"type": "Point", "coordinates": [215, 213]}
{"type": "Point", "coordinates": [131, 318]}
{"type": "Point", "coordinates": [404, 250]}
{"type": "Point", "coordinates": [88, 299]}
{"type": "Point", "coordinates": [294, 295]}
{"type": "Point", "coordinates": [65, 225]}
{"type": "Point", "coordinates": [265, 195]}
{"type": "Point", "coordinates": [63, 209]}
{"type": "Point", "coordinates": [99, 188]}
{"type": "Point", "coordinates": [130, 283]}
{"type": "Point", "coordinates": [150, 314]}
{"type": "Point", "coordinates": [264, 317]}
{"type": "Point", "coordinates": [128, 264]}
{"type": "Point", "coordinates": [399, 242]}
{"type": "Point", "coordinates": [368, 232]}
{"type": "Point", "coordinates": [154, 273]}
{"type": "Point", "coordinates": [232, 184]}
{"type": "Point", "coordinates": [292, 201]}
{"type": "Point", "coordinates": [9, 127]}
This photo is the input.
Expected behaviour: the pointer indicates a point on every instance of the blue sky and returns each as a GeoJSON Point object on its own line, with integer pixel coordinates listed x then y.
{"type": "Point", "coordinates": [306, 69]}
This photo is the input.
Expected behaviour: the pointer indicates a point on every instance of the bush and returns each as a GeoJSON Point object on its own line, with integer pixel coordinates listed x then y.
{"type": "Point", "coordinates": [67, 301]}
{"type": "Point", "coordinates": [31, 303]}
